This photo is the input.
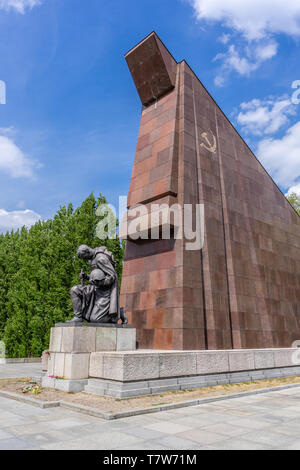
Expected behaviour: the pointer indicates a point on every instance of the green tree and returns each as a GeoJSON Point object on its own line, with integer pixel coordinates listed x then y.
{"type": "Point", "coordinates": [294, 199]}
{"type": "Point", "coordinates": [10, 244]}
{"type": "Point", "coordinates": [38, 267]}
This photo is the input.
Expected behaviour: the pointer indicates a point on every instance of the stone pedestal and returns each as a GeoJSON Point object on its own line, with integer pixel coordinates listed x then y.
{"type": "Point", "coordinates": [144, 372]}
{"type": "Point", "coordinates": [71, 347]}
{"type": "Point", "coordinates": [91, 337]}
{"type": "Point", "coordinates": [45, 358]}
{"type": "Point", "coordinates": [76, 363]}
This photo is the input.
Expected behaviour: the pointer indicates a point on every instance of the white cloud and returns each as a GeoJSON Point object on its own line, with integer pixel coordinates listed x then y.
{"type": "Point", "coordinates": [255, 55]}
{"type": "Point", "coordinates": [232, 60]}
{"type": "Point", "coordinates": [281, 157]}
{"type": "Point", "coordinates": [19, 5]}
{"type": "Point", "coordinates": [8, 131]}
{"type": "Point", "coordinates": [225, 38]}
{"type": "Point", "coordinates": [17, 219]}
{"type": "Point", "coordinates": [255, 22]}
{"type": "Point", "coordinates": [255, 19]}
{"type": "Point", "coordinates": [219, 80]}
{"type": "Point", "coordinates": [265, 51]}
{"type": "Point", "coordinates": [294, 190]}
{"type": "Point", "coordinates": [267, 116]}
{"type": "Point", "coordinates": [13, 161]}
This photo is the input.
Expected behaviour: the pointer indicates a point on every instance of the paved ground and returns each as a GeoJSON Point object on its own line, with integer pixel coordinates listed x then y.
{"type": "Point", "coordinates": [8, 371]}
{"type": "Point", "coordinates": [268, 421]}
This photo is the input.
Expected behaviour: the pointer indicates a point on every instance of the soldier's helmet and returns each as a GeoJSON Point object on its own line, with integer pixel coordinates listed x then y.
{"type": "Point", "coordinates": [96, 276]}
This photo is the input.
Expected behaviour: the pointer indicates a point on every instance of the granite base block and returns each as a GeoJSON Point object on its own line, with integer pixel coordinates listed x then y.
{"type": "Point", "coordinates": [69, 386]}
{"type": "Point", "coordinates": [71, 347]}
{"type": "Point", "coordinates": [88, 338]}
{"type": "Point", "coordinates": [45, 358]}
{"type": "Point", "coordinates": [69, 366]}
{"type": "Point", "coordinates": [123, 374]}
{"type": "Point", "coordinates": [154, 364]}
{"type": "Point", "coordinates": [132, 389]}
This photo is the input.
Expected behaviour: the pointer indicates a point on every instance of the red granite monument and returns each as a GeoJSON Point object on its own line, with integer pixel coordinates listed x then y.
{"type": "Point", "coordinates": [242, 288]}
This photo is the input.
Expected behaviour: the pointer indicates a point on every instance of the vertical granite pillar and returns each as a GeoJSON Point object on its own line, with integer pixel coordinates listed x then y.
{"type": "Point", "coordinates": [242, 289]}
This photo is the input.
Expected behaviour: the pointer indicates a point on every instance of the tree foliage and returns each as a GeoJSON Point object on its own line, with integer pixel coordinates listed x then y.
{"type": "Point", "coordinates": [38, 267]}
{"type": "Point", "coordinates": [294, 199]}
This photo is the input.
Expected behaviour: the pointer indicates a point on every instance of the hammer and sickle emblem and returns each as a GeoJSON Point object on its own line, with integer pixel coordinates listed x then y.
{"type": "Point", "coordinates": [211, 147]}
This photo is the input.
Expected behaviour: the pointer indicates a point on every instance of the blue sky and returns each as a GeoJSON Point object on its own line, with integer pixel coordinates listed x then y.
{"type": "Point", "coordinates": [70, 122]}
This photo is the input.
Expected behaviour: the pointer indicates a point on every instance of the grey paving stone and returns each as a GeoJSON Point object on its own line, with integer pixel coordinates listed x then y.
{"type": "Point", "coordinates": [251, 423]}
{"type": "Point", "coordinates": [87, 430]}
{"type": "Point", "coordinates": [144, 433]}
{"type": "Point", "coordinates": [143, 419]}
{"type": "Point", "coordinates": [238, 444]}
{"type": "Point", "coordinates": [68, 423]}
{"type": "Point", "coordinates": [168, 427]}
{"type": "Point", "coordinates": [171, 416]}
{"type": "Point", "coordinates": [115, 425]}
{"type": "Point", "coordinates": [31, 413]}
{"type": "Point", "coordinates": [25, 430]}
{"type": "Point", "coordinates": [53, 414]}
{"type": "Point", "coordinates": [146, 445]}
{"type": "Point", "coordinates": [6, 415]}
{"type": "Point", "coordinates": [293, 424]}
{"type": "Point", "coordinates": [293, 446]}
{"type": "Point", "coordinates": [271, 419]}
{"type": "Point", "coordinates": [39, 439]}
{"type": "Point", "coordinates": [76, 444]}
{"type": "Point", "coordinates": [268, 421]}
{"type": "Point", "coordinates": [5, 434]}
{"type": "Point", "coordinates": [287, 430]}
{"type": "Point", "coordinates": [227, 429]}
{"type": "Point", "coordinates": [16, 421]}
{"type": "Point", "coordinates": [202, 436]}
{"type": "Point", "coordinates": [237, 412]}
{"type": "Point", "coordinates": [58, 436]}
{"type": "Point", "coordinates": [178, 443]}
{"type": "Point", "coordinates": [113, 440]}
{"type": "Point", "coordinates": [290, 391]}
{"type": "Point", "coordinates": [14, 443]}
{"type": "Point", "coordinates": [266, 437]}
{"type": "Point", "coordinates": [214, 407]}
{"type": "Point", "coordinates": [8, 371]}
{"type": "Point", "coordinates": [284, 414]}
{"type": "Point", "coordinates": [198, 422]}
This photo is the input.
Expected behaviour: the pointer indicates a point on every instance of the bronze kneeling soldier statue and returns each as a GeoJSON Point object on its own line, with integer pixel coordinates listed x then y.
{"type": "Point", "coordinates": [98, 301]}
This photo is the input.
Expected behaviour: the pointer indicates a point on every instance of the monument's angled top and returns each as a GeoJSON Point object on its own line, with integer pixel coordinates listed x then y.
{"type": "Point", "coordinates": [153, 33]}
{"type": "Point", "coordinates": [154, 69]}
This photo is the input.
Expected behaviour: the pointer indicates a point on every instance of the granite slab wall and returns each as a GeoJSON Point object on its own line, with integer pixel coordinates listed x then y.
{"type": "Point", "coordinates": [144, 365]}
{"type": "Point", "coordinates": [242, 289]}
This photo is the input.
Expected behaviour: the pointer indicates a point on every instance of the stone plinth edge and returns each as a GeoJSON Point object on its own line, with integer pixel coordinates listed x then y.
{"type": "Point", "coordinates": [91, 325]}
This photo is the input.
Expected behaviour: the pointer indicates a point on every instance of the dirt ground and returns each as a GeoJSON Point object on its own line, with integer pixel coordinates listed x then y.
{"type": "Point", "coordinates": [116, 405]}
